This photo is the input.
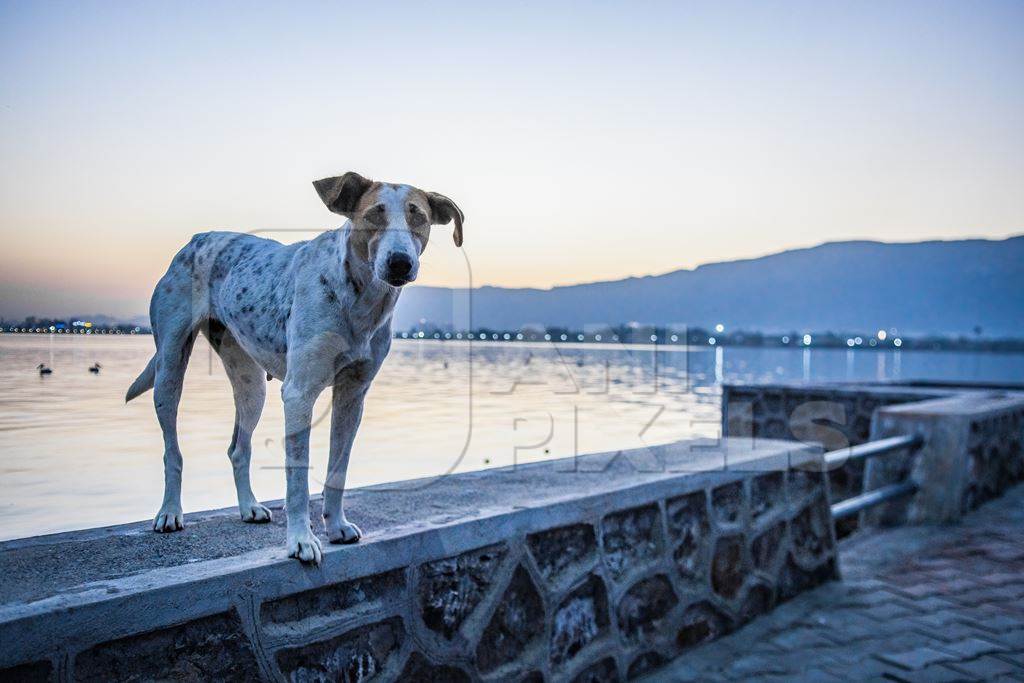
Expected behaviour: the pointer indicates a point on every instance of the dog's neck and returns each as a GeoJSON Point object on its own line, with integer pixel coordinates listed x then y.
{"type": "Point", "coordinates": [374, 299]}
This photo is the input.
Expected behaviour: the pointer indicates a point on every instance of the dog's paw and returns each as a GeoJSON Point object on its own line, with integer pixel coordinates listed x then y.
{"type": "Point", "coordinates": [254, 513]}
{"type": "Point", "coordinates": [342, 532]}
{"type": "Point", "coordinates": [169, 519]}
{"type": "Point", "coordinates": [305, 547]}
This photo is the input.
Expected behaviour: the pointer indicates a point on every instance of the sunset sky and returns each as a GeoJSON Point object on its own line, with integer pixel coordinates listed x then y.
{"type": "Point", "coordinates": [584, 141]}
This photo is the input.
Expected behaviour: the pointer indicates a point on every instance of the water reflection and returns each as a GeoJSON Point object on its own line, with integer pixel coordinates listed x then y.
{"type": "Point", "coordinates": [73, 455]}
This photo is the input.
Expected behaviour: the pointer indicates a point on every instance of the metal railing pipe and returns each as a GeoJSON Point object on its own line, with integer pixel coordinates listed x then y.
{"type": "Point", "coordinates": [872, 449]}
{"type": "Point", "coordinates": [852, 506]}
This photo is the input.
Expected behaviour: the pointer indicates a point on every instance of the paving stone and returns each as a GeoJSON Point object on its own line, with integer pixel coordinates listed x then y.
{"type": "Point", "coordinates": [909, 640]}
{"type": "Point", "coordinates": [835, 657]}
{"type": "Point", "coordinates": [797, 663]}
{"type": "Point", "coordinates": [954, 632]}
{"type": "Point", "coordinates": [864, 585]}
{"type": "Point", "coordinates": [954, 613]}
{"type": "Point", "coordinates": [936, 673]}
{"type": "Point", "coordinates": [752, 665]}
{"type": "Point", "coordinates": [1003, 579]}
{"type": "Point", "coordinates": [997, 623]}
{"type": "Point", "coordinates": [1005, 553]}
{"type": "Point", "coordinates": [883, 596]}
{"type": "Point", "coordinates": [1014, 608]}
{"type": "Point", "coordinates": [846, 626]}
{"type": "Point", "coordinates": [921, 590]}
{"type": "Point", "coordinates": [940, 619]}
{"type": "Point", "coordinates": [915, 659]}
{"type": "Point", "coordinates": [860, 669]}
{"type": "Point", "coordinates": [933, 604]}
{"type": "Point", "coordinates": [818, 676]}
{"type": "Point", "coordinates": [972, 647]}
{"type": "Point", "coordinates": [993, 610]}
{"type": "Point", "coordinates": [952, 587]}
{"type": "Point", "coordinates": [996, 595]}
{"type": "Point", "coordinates": [802, 639]}
{"type": "Point", "coordinates": [865, 650]}
{"type": "Point", "coordinates": [887, 612]}
{"type": "Point", "coordinates": [988, 667]}
{"type": "Point", "coordinates": [1015, 657]}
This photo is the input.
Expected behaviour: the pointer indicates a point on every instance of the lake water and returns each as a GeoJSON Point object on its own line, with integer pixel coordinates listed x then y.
{"type": "Point", "coordinates": [74, 455]}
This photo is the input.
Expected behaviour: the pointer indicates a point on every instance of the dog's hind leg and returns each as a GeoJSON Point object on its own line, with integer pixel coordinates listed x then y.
{"type": "Point", "coordinates": [171, 360]}
{"type": "Point", "coordinates": [249, 385]}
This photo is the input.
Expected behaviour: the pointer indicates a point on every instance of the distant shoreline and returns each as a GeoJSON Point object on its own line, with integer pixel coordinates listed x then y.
{"type": "Point", "coordinates": [637, 337]}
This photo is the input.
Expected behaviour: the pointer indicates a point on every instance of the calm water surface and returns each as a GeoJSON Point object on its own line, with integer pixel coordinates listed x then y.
{"type": "Point", "coordinates": [74, 455]}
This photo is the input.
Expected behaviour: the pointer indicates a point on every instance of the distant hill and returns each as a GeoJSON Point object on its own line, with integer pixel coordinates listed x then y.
{"type": "Point", "coordinates": [922, 287]}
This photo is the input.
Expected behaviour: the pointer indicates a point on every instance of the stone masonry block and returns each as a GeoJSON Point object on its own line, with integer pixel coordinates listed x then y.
{"type": "Point", "coordinates": [517, 622]}
{"type": "Point", "coordinates": [701, 622]}
{"type": "Point", "coordinates": [359, 655]}
{"type": "Point", "coordinates": [767, 494]}
{"type": "Point", "coordinates": [631, 538]}
{"type": "Point", "coordinates": [211, 647]}
{"type": "Point", "coordinates": [559, 553]}
{"type": "Point", "coordinates": [728, 502]}
{"type": "Point", "coordinates": [450, 589]}
{"type": "Point", "coordinates": [644, 663]}
{"type": "Point", "coordinates": [759, 599]}
{"type": "Point", "coordinates": [422, 670]}
{"type": "Point", "coordinates": [767, 546]}
{"type": "Point", "coordinates": [729, 566]}
{"type": "Point", "coordinates": [811, 534]}
{"type": "Point", "coordinates": [310, 608]}
{"type": "Point", "coordinates": [642, 609]}
{"type": "Point", "coordinates": [603, 671]}
{"type": "Point", "coordinates": [581, 618]}
{"type": "Point", "coordinates": [688, 529]}
{"type": "Point", "coordinates": [30, 672]}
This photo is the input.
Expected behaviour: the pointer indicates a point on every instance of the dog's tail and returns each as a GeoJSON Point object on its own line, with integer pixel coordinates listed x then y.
{"type": "Point", "coordinates": [143, 382]}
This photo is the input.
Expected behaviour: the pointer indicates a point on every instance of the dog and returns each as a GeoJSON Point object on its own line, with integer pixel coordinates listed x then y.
{"type": "Point", "coordinates": [314, 314]}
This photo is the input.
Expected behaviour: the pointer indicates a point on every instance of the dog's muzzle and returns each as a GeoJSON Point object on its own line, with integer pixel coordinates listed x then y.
{"type": "Point", "coordinates": [399, 269]}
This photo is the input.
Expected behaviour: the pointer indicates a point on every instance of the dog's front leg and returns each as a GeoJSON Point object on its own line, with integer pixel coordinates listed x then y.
{"type": "Point", "coordinates": [346, 412]}
{"type": "Point", "coordinates": [298, 413]}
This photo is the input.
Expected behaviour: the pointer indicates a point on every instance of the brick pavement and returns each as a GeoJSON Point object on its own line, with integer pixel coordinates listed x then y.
{"type": "Point", "coordinates": [915, 604]}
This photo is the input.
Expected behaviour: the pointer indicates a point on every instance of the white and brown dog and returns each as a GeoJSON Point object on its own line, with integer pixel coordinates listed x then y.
{"type": "Point", "coordinates": [314, 314]}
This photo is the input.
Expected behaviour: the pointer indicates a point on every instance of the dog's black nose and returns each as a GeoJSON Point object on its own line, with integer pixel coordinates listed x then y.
{"type": "Point", "coordinates": [399, 266]}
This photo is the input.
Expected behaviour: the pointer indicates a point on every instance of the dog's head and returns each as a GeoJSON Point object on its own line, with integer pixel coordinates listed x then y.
{"type": "Point", "coordinates": [390, 223]}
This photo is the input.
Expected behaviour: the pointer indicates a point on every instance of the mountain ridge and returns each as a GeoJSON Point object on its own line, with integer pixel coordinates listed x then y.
{"type": "Point", "coordinates": [806, 288]}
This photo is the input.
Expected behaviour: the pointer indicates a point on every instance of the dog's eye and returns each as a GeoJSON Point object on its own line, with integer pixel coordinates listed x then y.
{"type": "Point", "coordinates": [416, 217]}
{"type": "Point", "coordinates": [376, 214]}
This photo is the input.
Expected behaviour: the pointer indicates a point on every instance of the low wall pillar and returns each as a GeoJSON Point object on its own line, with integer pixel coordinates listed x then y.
{"type": "Point", "coordinates": [971, 452]}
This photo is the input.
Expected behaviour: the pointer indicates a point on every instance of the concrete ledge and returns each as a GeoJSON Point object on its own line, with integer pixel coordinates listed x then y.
{"type": "Point", "coordinates": [613, 563]}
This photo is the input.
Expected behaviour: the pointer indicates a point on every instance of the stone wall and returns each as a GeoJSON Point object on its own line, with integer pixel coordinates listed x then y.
{"type": "Point", "coordinates": [972, 452]}
{"type": "Point", "coordinates": [606, 571]}
{"type": "Point", "coordinates": [837, 415]}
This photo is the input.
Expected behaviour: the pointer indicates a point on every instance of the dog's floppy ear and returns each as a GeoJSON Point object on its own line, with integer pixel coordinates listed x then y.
{"type": "Point", "coordinates": [444, 210]}
{"type": "Point", "coordinates": [341, 194]}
